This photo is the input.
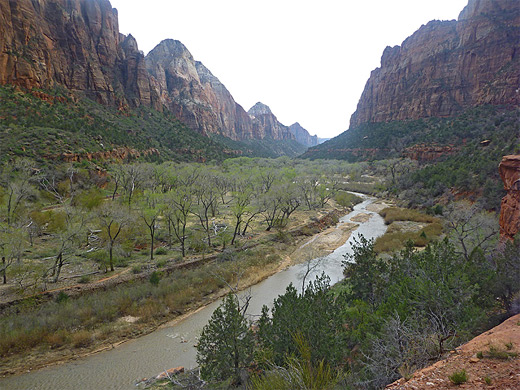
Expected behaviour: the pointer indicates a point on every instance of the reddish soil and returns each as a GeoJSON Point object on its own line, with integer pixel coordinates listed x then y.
{"type": "Point", "coordinates": [487, 372]}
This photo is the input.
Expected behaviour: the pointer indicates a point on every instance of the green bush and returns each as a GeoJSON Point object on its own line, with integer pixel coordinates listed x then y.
{"type": "Point", "coordinates": [161, 251]}
{"type": "Point", "coordinates": [458, 377]}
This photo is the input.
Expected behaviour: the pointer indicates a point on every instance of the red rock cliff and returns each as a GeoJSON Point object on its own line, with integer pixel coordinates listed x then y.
{"type": "Point", "coordinates": [266, 125]}
{"type": "Point", "coordinates": [509, 169]}
{"type": "Point", "coordinates": [446, 67]}
{"type": "Point", "coordinates": [76, 44]}
{"type": "Point", "coordinates": [72, 43]}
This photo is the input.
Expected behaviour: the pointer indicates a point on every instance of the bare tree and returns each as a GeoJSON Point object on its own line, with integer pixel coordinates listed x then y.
{"type": "Point", "coordinates": [470, 228]}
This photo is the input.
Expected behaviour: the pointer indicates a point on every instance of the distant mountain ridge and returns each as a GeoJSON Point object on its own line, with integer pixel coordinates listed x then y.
{"type": "Point", "coordinates": [303, 136]}
{"type": "Point", "coordinates": [76, 44]}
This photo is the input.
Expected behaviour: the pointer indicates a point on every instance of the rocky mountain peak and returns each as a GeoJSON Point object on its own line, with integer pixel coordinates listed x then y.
{"type": "Point", "coordinates": [303, 136]}
{"type": "Point", "coordinates": [170, 49]}
{"type": "Point", "coordinates": [259, 109]}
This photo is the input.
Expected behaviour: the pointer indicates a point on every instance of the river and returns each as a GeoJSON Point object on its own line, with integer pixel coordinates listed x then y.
{"type": "Point", "coordinates": [172, 346]}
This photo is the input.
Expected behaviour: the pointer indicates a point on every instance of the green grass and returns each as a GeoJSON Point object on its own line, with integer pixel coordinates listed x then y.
{"type": "Point", "coordinates": [392, 214]}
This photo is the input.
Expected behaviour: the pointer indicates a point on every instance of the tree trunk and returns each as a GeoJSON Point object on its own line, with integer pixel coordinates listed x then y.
{"type": "Point", "coordinates": [5, 270]}
{"type": "Point", "coordinates": [58, 265]}
{"type": "Point", "coordinates": [110, 256]}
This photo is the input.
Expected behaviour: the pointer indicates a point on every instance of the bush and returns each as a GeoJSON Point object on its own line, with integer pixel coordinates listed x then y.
{"type": "Point", "coordinates": [458, 377]}
{"type": "Point", "coordinates": [346, 199]}
{"type": "Point", "coordinates": [161, 251]}
{"type": "Point", "coordinates": [154, 278]}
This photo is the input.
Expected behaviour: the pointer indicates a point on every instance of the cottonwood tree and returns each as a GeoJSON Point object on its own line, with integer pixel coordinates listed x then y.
{"type": "Point", "coordinates": [470, 228]}
{"type": "Point", "coordinates": [67, 227]}
{"type": "Point", "coordinates": [179, 203]}
{"type": "Point", "coordinates": [206, 198]}
{"type": "Point", "coordinates": [12, 246]}
{"type": "Point", "coordinates": [16, 188]}
{"type": "Point", "coordinates": [150, 208]}
{"type": "Point", "coordinates": [113, 220]}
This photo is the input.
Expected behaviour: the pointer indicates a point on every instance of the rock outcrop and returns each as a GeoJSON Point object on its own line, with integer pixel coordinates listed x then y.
{"type": "Point", "coordinates": [266, 125]}
{"type": "Point", "coordinates": [71, 43]}
{"type": "Point", "coordinates": [303, 136]}
{"type": "Point", "coordinates": [509, 169]}
{"type": "Point", "coordinates": [446, 67]}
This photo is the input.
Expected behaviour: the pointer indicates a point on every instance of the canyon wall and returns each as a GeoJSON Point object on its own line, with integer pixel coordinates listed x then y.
{"type": "Point", "coordinates": [76, 44]}
{"type": "Point", "coordinates": [303, 136]}
{"type": "Point", "coordinates": [449, 66]}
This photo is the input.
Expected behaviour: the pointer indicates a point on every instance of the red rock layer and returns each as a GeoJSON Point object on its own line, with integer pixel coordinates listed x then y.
{"type": "Point", "coordinates": [509, 169]}
{"type": "Point", "coordinates": [446, 67]}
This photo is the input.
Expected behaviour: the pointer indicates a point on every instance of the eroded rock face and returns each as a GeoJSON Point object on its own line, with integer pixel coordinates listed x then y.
{"type": "Point", "coordinates": [194, 94]}
{"type": "Point", "coordinates": [303, 136]}
{"type": "Point", "coordinates": [71, 43]}
{"type": "Point", "coordinates": [76, 44]}
{"type": "Point", "coordinates": [509, 169]}
{"type": "Point", "coordinates": [266, 125]}
{"type": "Point", "coordinates": [446, 67]}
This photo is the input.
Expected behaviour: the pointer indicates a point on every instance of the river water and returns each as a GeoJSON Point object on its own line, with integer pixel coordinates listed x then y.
{"type": "Point", "coordinates": [172, 346]}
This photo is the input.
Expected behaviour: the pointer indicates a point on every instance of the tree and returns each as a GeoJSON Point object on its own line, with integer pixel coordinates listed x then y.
{"type": "Point", "coordinates": [470, 228]}
{"type": "Point", "coordinates": [150, 208]}
{"type": "Point", "coordinates": [113, 220]}
{"type": "Point", "coordinates": [206, 199]}
{"type": "Point", "coordinates": [225, 346]}
{"type": "Point", "coordinates": [67, 228]}
{"type": "Point", "coordinates": [16, 182]}
{"type": "Point", "coordinates": [179, 203]}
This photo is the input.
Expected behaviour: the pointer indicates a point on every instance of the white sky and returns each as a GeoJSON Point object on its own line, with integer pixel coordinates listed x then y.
{"type": "Point", "coordinates": [307, 60]}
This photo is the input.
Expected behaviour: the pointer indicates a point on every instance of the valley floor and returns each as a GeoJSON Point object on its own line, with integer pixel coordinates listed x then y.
{"type": "Point", "coordinates": [299, 249]}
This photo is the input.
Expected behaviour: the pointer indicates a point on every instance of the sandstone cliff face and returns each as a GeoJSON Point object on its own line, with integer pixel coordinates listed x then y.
{"type": "Point", "coordinates": [266, 125]}
{"type": "Point", "coordinates": [76, 44]}
{"type": "Point", "coordinates": [71, 43]}
{"type": "Point", "coordinates": [446, 67]}
{"type": "Point", "coordinates": [303, 136]}
{"type": "Point", "coordinates": [509, 169]}
{"type": "Point", "coordinates": [194, 94]}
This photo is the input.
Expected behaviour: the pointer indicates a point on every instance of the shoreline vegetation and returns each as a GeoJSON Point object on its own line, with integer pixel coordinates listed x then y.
{"type": "Point", "coordinates": [301, 247]}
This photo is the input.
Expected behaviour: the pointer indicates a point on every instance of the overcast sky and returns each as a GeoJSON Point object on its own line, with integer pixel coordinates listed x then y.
{"type": "Point", "coordinates": [307, 60]}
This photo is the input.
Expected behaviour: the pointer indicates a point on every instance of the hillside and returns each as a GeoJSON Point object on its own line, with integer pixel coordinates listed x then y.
{"type": "Point", "coordinates": [57, 126]}
{"type": "Point", "coordinates": [488, 361]}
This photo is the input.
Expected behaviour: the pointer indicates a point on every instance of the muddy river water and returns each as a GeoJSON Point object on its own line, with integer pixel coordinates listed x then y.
{"type": "Point", "coordinates": [171, 346]}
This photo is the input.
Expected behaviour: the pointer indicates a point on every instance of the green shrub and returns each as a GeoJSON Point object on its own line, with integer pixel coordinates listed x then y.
{"type": "Point", "coordinates": [458, 377]}
{"type": "Point", "coordinates": [161, 251]}
{"type": "Point", "coordinates": [346, 199]}
{"type": "Point", "coordinates": [62, 297]}
{"type": "Point", "coordinates": [155, 278]}
{"type": "Point", "coordinates": [84, 279]}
